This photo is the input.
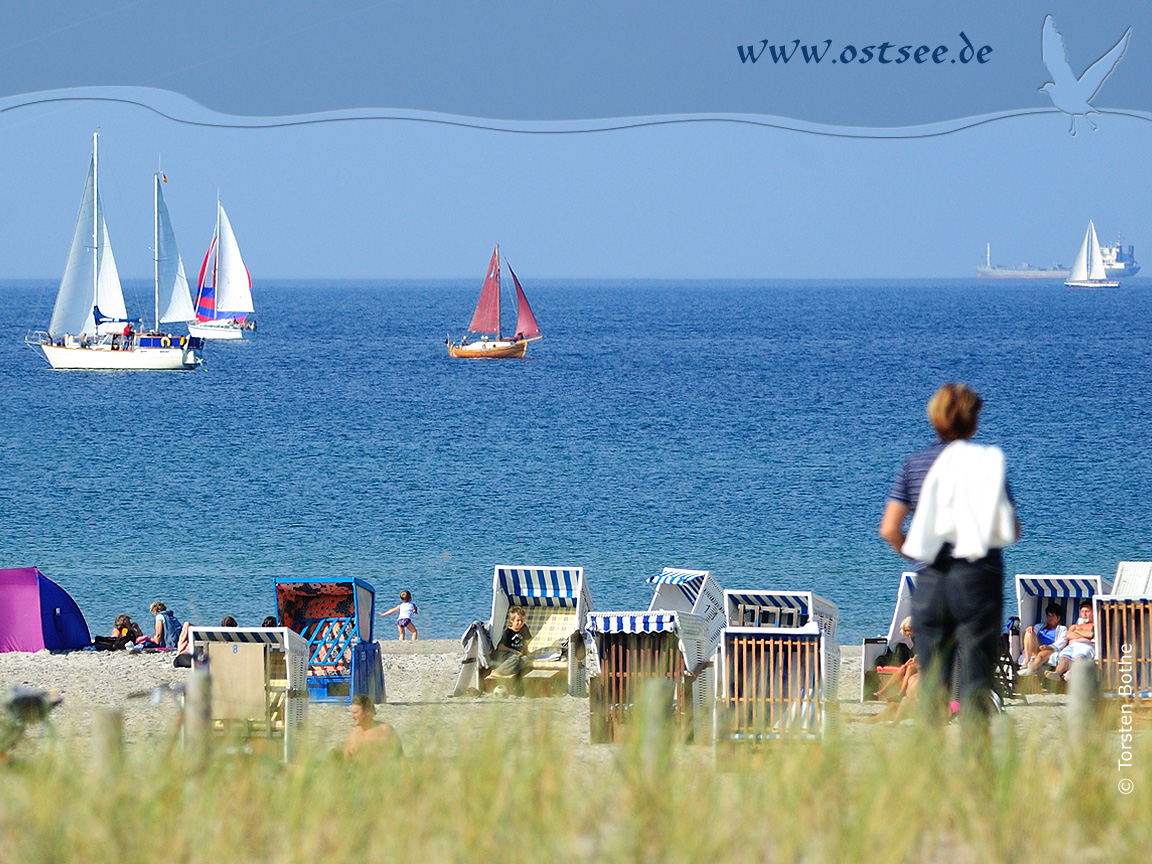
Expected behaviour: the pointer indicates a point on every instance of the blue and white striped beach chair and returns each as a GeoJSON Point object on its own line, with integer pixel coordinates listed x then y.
{"type": "Point", "coordinates": [779, 665]}
{"type": "Point", "coordinates": [557, 602]}
{"type": "Point", "coordinates": [675, 640]}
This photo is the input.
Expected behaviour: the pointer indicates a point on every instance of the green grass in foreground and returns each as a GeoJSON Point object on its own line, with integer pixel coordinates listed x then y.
{"type": "Point", "coordinates": [896, 795]}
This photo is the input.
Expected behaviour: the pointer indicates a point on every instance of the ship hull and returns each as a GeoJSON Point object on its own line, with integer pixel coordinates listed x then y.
{"type": "Point", "coordinates": [175, 357]}
{"type": "Point", "coordinates": [489, 349]}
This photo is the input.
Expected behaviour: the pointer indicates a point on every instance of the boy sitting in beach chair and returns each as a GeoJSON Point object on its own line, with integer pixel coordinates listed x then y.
{"type": "Point", "coordinates": [510, 657]}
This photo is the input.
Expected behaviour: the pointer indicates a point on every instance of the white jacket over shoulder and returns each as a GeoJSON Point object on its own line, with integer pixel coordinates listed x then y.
{"type": "Point", "coordinates": [964, 501]}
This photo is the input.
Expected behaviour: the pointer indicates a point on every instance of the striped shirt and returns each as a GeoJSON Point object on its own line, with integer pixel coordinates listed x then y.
{"type": "Point", "coordinates": [910, 477]}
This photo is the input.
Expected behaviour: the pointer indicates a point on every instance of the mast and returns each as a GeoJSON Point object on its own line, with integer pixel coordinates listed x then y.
{"type": "Point", "coordinates": [216, 264]}
{"type": "Point", "coordinates": [95, 226]}
{"type": "Point", "coordinates": [498, 336]}
{"type": "Point", "coordinates": [988, 259]}
{"type": "Point", "coordinates": [156, 244]}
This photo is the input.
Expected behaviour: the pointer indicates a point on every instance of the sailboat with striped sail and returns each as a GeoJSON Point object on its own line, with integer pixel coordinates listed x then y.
{"type": "Point", "coordinates": [224, 289]}
{"type": "Point", "coordinates": [1088, 268]}
{"type": "Point", "coordinates": [486, 321]}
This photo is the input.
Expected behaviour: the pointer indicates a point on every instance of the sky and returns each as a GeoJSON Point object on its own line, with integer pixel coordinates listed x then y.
{"type": "Point", "coordinates": [416, 196]}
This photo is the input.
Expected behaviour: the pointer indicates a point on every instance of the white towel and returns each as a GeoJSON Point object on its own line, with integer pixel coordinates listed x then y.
{"type": "Point", "coordinates": [964, 502]}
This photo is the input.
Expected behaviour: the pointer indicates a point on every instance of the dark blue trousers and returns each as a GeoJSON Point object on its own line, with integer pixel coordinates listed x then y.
{"type": "Point", "coordinates": [957, 610]}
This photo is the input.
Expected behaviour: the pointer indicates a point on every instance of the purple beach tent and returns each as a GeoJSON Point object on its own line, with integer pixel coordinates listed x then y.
{"type": "Point", "coordinates": [36, 613]}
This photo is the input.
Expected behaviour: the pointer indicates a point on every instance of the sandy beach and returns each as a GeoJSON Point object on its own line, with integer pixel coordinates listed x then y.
{"type": "Point", "coordinates": [418, 675]}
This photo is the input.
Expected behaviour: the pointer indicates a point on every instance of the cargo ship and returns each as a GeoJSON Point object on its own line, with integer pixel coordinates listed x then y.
{"type": "Point", "coordinates": [1119, 263]}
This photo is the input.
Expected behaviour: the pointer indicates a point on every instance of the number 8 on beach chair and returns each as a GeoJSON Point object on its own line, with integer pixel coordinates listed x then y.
{"type": "Point", "coordinates": [673, 641]}
{"type": "Point", "coordinates": [779, 663]}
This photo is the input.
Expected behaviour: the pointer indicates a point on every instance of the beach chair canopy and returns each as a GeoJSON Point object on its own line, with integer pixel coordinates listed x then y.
{"type": "Point", "coordinates": [1033, 593]}
{"type": "Point", "coordinates": [695, 591]}
{"type": "Point", "coordinates": [691, 630]}
{"type": "Point", "coordinates": [787, 609]}
{"type": "Point", "coordinates": [36, 613]}
{"type": "Point", "coordinates": [1133, 579]}
{"type": "Point", "coordinates": [558, 587]}
{"type": "Point", "coordinates": [299, 601]}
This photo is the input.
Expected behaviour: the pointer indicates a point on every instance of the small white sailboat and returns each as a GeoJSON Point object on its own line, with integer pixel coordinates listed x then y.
{"type": "Point", "coordinates": [90, 328]}
{"type": "Point", "coordinates": [224, 289]}
{"type": "Point", "coordinates": [1088, 268]}
{"type": "Point", "coordinates": [486, 320]}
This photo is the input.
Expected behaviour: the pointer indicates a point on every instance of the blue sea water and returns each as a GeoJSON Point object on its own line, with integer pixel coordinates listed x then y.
{"type": "Point", "coordinates": [749, 428]}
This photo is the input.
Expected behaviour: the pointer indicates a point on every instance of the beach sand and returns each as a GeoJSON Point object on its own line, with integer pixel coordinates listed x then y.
{"type": "Point", "coordinates": [419, 676]}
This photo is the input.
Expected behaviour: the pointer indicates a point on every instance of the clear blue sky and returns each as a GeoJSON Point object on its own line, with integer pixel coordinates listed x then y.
{"type": "Point", "coordinates": [398, 199]}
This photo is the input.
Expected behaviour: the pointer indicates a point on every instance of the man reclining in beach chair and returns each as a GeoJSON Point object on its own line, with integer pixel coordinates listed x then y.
{"type": "Point", "coordinates": [1043, 640]}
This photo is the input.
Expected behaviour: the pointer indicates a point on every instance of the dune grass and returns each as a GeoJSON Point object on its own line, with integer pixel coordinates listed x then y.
{"type": "Point", "coordinates": [521, 793]}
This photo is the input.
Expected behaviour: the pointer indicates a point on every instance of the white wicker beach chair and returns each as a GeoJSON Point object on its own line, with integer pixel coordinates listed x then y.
{"type": "Point", "coordinates": [871, 649]}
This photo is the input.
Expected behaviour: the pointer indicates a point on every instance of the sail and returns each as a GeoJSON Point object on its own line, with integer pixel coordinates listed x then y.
{"type": "Point", "coordinates": [1095, 259]}
{"type": "Point", "coordinates": [486, 318]}
{"type": "Point", "coordinates": [109, 294]}
{"type": "Point", "coordinates": [172, 298]}
{"type": "Point", "coordinates": [224, 289]}
{"type": "Point", "coordinates": [233, 284]}
{"type": "Point", "coordinates": [73, 310]}
{"type": "Point", "coordinates": [205, 287]}
{"type": "Point", "coordinates": [1080, 266]}
{"type": "Point", "coordinates": [526, 327]}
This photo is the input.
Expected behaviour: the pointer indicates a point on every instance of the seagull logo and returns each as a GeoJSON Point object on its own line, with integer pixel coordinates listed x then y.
{"type": "Point", "coordinates": [1070, 94]}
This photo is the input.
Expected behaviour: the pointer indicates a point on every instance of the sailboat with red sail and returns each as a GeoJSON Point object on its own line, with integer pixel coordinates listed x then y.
{"type": "Point", "coordinates": [486, 321]}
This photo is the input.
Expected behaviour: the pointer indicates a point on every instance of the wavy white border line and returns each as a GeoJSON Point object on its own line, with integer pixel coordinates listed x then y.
{"type": "Point", "coordinates": [180, 109]}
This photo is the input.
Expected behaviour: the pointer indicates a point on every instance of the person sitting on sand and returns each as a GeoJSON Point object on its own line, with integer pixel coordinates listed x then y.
{"type": "Point", "coordinates": [406, 610]}
{"type": "Point", "coordinates": [1080, 643]}
{"type": "Point", "coordinates": [167, 625]}
{"type": "Point", "coordinates": [1044, 640]}
{"type": "Point", "coordinates": [510, 659]}
{"type": "Point", "coordinates": [369, 736]}
{"type": "Point", "coordinates": [124, 631]}
{"type": "Point", "coordinates": [901, 678]}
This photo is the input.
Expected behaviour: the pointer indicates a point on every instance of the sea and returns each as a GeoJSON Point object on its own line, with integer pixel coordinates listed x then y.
{"type": "Point", "coordinates": [750, 428]}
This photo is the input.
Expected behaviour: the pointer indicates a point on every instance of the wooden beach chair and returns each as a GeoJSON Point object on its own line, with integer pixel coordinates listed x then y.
{"type": "Point", "coordinates": [556, 601]}
{"type": "Point", "coordinates": [631, 651]}
{"type": "Point", "coordinates": [335, 615]}
{"type": "Point", "coordinates": [259, 684]}
{"type": "Point", "coordinates": [873, 648]}
{"type": "Point", "coordinates": [779, 666]}
{"type": "Point", "coordinates": [1124, 634]}
{"type": "Point", "coordinates": [674, 641]}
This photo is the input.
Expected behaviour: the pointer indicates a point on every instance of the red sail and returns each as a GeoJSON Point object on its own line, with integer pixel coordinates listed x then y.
{"type": "Point", "coordinates": [486, 318]}
{"type": "Point", "coordinates": [526, 326]}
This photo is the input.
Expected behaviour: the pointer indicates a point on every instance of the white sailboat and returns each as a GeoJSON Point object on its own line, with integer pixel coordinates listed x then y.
{"type": "Point", "coordinates": [90, 328]}
{"type": "Point", "coordinates": [224, 289]}
{"type": "Point", "coordinates": [1088, 268]}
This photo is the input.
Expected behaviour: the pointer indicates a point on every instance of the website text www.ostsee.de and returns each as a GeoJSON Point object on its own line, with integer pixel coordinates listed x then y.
{"type": "Point", "coordinates": [882, 54]}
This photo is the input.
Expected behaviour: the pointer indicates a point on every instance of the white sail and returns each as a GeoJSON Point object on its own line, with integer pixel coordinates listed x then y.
{"type": "Point", "coordinates": [109, 295]}
{"type": "Point", "coordinates": [74, 298]}
{"type": "Point", "coordinates": [1095, 259]}
{"type": "Point", "coordinates": [1080, 266]}
{"type": "Point", "coordinates": [233, 284]}
{"type": "Point", "coordinates": [172, 297]}
{"type": "Point", "coordinates": [78, 291]}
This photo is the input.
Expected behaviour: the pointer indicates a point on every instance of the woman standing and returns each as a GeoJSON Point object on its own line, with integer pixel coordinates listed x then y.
{"type": "Point", "coordinates": [962, 515]}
